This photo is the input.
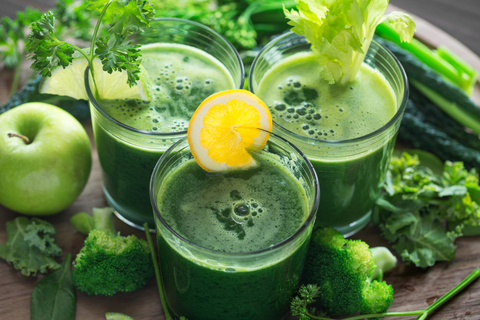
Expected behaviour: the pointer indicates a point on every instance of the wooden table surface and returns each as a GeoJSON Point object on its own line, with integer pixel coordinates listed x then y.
{"type": "Point", "coordinates": [414, 288]}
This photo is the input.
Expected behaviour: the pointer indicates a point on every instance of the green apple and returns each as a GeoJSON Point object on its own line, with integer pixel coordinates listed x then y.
{"type": "Point", "coordinates": [45, 159]}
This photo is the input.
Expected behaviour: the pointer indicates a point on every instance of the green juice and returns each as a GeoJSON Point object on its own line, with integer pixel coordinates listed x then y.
{"type": "Point", "coordinates": [236, 212]}
{"type": "Point", "coordinates": [311, 109]}
{"type": "Point", "coordinates": [182, 77]}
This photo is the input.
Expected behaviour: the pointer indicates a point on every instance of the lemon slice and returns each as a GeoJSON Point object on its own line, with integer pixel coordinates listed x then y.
{"type": "Point", "coordinates": [225, 127]}
{"type": "Point", "coordinates": [70, 82]}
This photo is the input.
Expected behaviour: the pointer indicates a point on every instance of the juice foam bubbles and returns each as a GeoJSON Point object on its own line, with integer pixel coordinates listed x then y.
{"type": "Point", "coordinates": [302, 102]}
{"type": "Point", "coordinates": [182, 77]}
{"type": "Point", "coordinates": [238, 211]}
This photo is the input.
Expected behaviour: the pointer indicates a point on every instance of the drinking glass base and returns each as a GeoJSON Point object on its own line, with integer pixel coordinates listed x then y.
{"type": "Point", "coordinates": [127, 216]}
{"type": "Point", "coordinates": [354, 227]}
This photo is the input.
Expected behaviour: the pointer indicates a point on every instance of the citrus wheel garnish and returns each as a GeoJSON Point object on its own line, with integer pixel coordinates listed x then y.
{"type": "Point", "coordinates": [69, 81]}
{"type": "Point", "coordinates": [225, 127]}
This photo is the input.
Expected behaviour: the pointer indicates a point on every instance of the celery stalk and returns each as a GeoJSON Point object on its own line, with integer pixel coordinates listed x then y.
{"type": "Point", "coordinates": [467, 70]}
{"type": "Point", "coordinates": [448, 65]}
{"type": "Point", "coordinates": [461, 116]}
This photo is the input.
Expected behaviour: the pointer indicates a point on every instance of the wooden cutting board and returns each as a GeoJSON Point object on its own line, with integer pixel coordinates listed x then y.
{"type": "Point", "coordinates": [414, 288]}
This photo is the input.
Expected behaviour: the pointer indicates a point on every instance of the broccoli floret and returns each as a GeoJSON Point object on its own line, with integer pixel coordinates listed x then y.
{"type": "Point", "coordinates": [110, 263]}
{"type": "Point", "coordinates": [343, 271]}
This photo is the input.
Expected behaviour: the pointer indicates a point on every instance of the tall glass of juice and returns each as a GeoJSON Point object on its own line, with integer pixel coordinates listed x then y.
{"type": "Point", "coordinates": [348, 132]}
{"type": "Point", "coordinates": [186, 63]}
{"type": "Point", "coordinates": [232, 245]}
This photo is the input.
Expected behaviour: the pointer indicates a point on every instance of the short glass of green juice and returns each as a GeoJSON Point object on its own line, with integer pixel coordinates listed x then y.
{"type": "Point", "coordinates": [232, 244]}
{"type": "Point", "coordinates": [347, 132]}
{"type": "Point", "coordinates": [186, 63]}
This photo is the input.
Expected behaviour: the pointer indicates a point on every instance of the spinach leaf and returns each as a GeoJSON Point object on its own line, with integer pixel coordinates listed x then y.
{"type": "Point", "coordinates": [53, 298]}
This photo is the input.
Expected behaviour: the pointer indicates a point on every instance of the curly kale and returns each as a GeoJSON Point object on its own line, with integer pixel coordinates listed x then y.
{"type": "Point", "coordinates": [416, 204]}
{"type": "Point", "coordinates": [30, 247]}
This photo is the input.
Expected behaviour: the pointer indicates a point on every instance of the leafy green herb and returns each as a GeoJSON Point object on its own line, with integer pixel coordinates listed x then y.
{"type": "Point", "coordinates": [308, 294]}
{"type": "Point", "coordinates": [75, 20]}
{"type": "Point", "coordinates": [30, 247]}
{"type": "Point", "coordinates": [245, 23]}
{"type": "Point", "coordinates": [416, 202]}
{"type": "Point", "coordinates": [12, 37]}
{"type": "Point", "coordinates": [340, 32]}
{"type": "Point", "coordinates": [114, 50]}
{"type": "Point", "coordinates": [54, 296]}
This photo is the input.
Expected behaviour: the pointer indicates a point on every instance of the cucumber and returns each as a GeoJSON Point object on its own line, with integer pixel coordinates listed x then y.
{"type": "Point", "coordinates": [439, 119]}
{"type": "Point", "coordinates": [447, 96]}
{"type": "Point", "coordinates": [417, 131]}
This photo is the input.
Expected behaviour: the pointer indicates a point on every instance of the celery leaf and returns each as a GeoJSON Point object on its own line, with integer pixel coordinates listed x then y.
{"type": "Point", "coordinates": [403, 24]}
{"type": "Point", "coordinates": [340, 32]}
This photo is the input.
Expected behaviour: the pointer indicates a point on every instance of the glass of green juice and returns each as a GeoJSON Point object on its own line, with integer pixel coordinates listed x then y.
{"type": "Point", "coordinates": [186, 63]}
{"type": "Point", "coordinates": [347, 132]}
{"type": "Point", "coordinates": [232, 245]}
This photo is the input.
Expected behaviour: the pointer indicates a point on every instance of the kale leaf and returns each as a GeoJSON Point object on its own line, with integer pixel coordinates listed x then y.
{"type": "Point", "coordinates": [416, 204]}
{"type": "Point", "coordinates": [30, 247]}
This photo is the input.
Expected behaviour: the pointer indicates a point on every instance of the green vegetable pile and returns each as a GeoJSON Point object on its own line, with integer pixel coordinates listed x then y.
{"type": "Point", "coordinates": [245, 23]}
{"type": "Point", "coordinates": [417, 203]}
{"type": "Point", "coordinates": [442, 60]}
{"type": "Point", "coordinates": [440, 117]}
{"type": "Point", "coordinates": [339, 279]}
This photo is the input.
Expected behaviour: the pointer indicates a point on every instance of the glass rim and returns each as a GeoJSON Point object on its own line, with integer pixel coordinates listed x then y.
{"type": "Point", "coordinates": [374, 133]}
{"type": "Point", "coordinates": [97, 106]}
{"type": "Point", "coordinates": [282, 243]}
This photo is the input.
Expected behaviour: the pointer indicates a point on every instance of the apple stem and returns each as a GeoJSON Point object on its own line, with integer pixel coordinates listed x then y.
{"type": "Point", "coordinates": [25, 139]}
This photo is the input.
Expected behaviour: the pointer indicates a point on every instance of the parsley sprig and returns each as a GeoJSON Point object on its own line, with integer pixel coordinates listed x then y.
{"type": "Point", "coordinates": [116, 53]}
